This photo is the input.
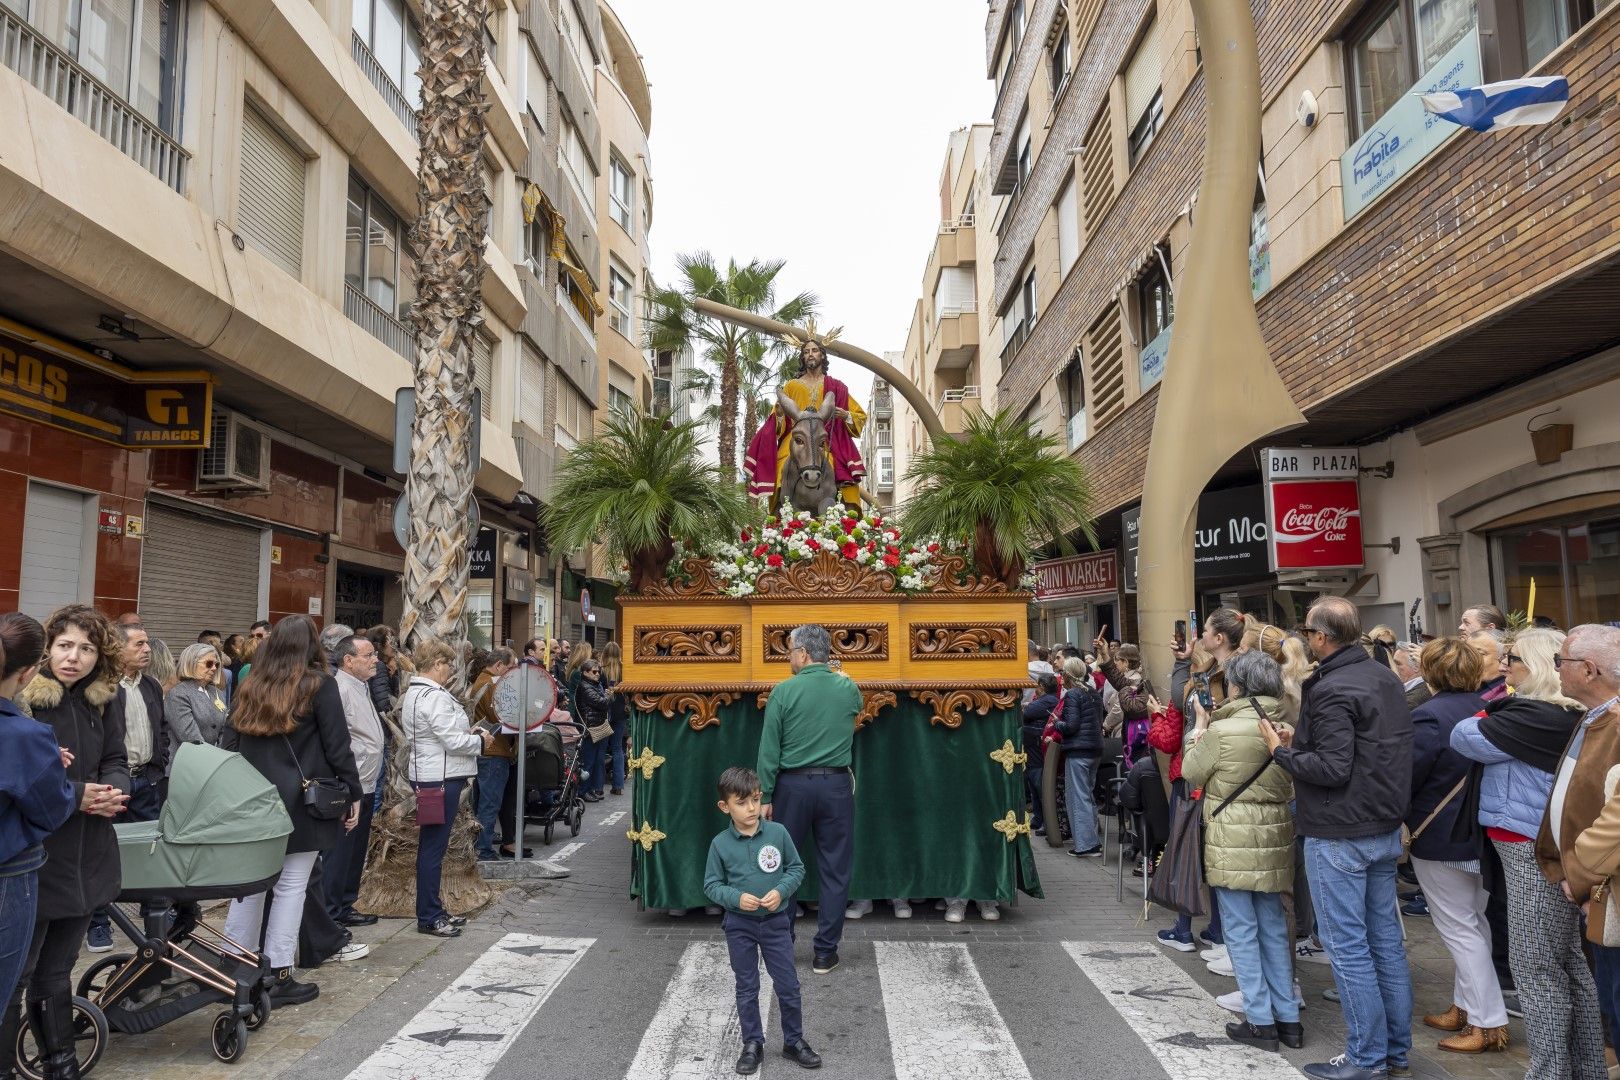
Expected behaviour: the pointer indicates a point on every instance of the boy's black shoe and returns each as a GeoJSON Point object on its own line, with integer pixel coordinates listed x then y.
{"type": "Point", "coordinates": [801, 1054]}
{"type": "Point", "coordinates": [825, 962]}
{"type": "Point", "coordinates": [1263, 1037]}
{"type": "Point", "coordinates": [1291, 1035]}
{"type": "Point", "coordinates": [748, 1061]}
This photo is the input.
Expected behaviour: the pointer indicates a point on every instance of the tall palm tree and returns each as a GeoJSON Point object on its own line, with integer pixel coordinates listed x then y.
{"type": "Point", "coordinates": [677, 324]}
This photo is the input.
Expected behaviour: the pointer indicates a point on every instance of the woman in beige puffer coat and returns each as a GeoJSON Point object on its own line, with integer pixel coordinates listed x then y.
{"type": "Point", "coordinates": [1249, 844]}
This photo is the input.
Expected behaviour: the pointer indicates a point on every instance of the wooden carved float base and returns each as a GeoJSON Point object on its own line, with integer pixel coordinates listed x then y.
{"type": "Point", "coordinates": [950, 704]}
{"type": "Point", "coordinates": [704, 706]}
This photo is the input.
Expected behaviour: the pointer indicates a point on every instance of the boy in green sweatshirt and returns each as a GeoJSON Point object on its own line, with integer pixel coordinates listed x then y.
{"type": "Point", "coordinates": [753, 872]}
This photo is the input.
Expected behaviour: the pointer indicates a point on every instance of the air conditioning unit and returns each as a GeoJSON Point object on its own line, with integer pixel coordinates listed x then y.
{"type": "Point", "coordinates": [237, 457]}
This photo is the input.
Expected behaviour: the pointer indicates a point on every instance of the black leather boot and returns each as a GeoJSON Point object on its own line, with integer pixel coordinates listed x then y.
{"type": "Point", "coordinates": [10, 1025]}
{"type": "Point", "coordinates": [53, 1029]}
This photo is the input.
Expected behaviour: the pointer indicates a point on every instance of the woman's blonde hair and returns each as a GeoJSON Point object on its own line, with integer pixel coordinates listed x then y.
{"type": "Point", "coordinates": [430, 652]}
{"type": "Point", "coordinates": [1289, 653]}
{"type": "Point", "coordinates": [612, 662]}
{"type": "Point", "coordinates": [1537, 649]}
{"type": "Point", "coordinates": [576, 659]}
{"type": "Point", "coordinates": [191, 662]}
{"type": "Point", "coordinates": [162, 666]}
{"type": "Point", "coordinates": [1450, 663]}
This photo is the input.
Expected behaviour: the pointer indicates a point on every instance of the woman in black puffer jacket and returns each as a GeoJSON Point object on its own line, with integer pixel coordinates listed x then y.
{"type": "Point", "coordinates": [1080, 725]}
{"type": "Point", "coordinates": [595, 707]}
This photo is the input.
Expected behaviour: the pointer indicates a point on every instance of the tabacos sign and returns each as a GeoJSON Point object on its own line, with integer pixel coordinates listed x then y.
{"type": "Point", "coordinates": [52, 382]}
{"type": "Point", "coordinates": [1313, 508]}
{"type": "Point", "coordinates": [1094, 574]}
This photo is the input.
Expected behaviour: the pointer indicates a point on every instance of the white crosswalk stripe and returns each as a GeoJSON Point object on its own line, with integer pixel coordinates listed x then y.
{"type": "Point", "coordinates": [468, 1028]}
{"type": "Point", "coordinates": [941, 1019]}
{"type": "Point", "coordinates": [1173, 1016]}
{"type": "Point", "coordinates": [695, 1035]}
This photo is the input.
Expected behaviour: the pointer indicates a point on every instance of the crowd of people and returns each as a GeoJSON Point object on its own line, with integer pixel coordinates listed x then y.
{"type": "Point", "coordinates": [93, 712]}
{"type": "Point", "coordinates": [1325, 765]}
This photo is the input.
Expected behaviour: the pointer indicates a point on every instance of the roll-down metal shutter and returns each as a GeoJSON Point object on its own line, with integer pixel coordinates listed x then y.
{"type": "Point", "coordinates": [270, 198]}
{"type": "Point", "coordinates": [53, 551]}
{"type": "Point", "coordinates": [197, 574]}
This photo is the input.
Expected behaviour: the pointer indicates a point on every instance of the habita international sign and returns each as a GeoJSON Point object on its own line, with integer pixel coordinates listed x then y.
{"type": "Point", "coordinates": [1095, 574]}
{"type": "Point", "coordinates": [54, 383]}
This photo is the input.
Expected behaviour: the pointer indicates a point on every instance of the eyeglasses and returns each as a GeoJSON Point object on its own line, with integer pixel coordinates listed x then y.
{"type": "Point", "coordinates": [1513, 658]}
{"type": "Point", "coordinates": [1559, 660]}
{"type": "Point", "coordinates": [1308, 629]}
{"type": "Point", "coordinates": [210, 663]}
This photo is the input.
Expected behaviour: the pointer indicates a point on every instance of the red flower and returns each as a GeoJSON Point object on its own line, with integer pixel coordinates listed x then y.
{"type": "Point", "coordinates": [871, 545]}
{"type": "Point", "coordinates": [773, 561]}
{"type": "Point", "coordinates": [890, 559]}
{"type": "Point", "coordinates": [788, 527]}
{"type": "Point", "coordinates": [848, 524]}
{"type": "Point", "coordinates": [850, 550]}
{"type": "Point", "coordinates": [813, 544]}
{"type": "Point", "coordinates": [761, 549]}
{"type": "Point", "coordinates": [933, 549]}
{"type": "Point", "coordinates": [877, 522]}
{"type": "Point", "coordinates": [746, 536]}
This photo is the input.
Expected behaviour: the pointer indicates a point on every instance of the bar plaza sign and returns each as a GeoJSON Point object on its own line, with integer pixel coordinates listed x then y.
{"type": "Point", "coordinates": [54, 383]}
{"type": "Point", "coordinates": [1094, 574]}
{"type": "Point", "coordinates": [1313, 507]}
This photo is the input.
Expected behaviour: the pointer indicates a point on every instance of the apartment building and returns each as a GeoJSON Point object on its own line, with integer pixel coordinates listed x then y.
{"type": "Point", "coordinates": [877, 441]}
{"type": "Point", "coordinates": [204, 279]}
{"type": "Point", "coordinates": [1437, 300]}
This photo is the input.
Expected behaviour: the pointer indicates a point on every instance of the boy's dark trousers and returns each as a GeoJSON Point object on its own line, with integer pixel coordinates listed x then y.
{"type": "Point", "coordinates": [748, 939]}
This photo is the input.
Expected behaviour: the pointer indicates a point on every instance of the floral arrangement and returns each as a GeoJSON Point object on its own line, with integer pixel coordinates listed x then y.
{"type": "Point", "coordinates": [866, 539]}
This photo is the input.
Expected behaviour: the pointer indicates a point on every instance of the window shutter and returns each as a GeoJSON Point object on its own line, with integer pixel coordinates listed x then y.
{"type": "Point", "coordinates": [532, 389]}
{"type": "Point", "coordinates": [1068, 227]}
{"type": "Point", "coordinates": [270, 193]}
{"type": "Point", "coordinates": [483, 370]}
{"type": "Point", "coordinates": [1142, 75]}
{"type": "Point", "coordinates": [1104, 350]}
{"type": "Point", "coordinates": [955, 292]}
{"type": "Point", "coordinates": [1099, 170]}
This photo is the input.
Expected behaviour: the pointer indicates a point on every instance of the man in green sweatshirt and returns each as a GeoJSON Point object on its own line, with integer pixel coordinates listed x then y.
{"type": "Point", "coordinates": [805, 750]}
{"type": "Point", "coordinates": [753, 872]}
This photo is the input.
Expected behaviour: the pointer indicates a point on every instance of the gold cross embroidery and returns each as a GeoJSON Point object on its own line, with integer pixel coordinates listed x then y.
{"type": "Point", "coordinates": [647, 836]}
{"type": "Point", "coordinates": [1008, 757]}
{"type": "Point", "coordinates": [1010, 827]}
{"type": "Point", "coordinates": [646, 761]}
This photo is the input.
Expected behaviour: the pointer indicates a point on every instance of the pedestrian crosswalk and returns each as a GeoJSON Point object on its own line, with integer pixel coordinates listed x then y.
{"type": "Point", "coordinates": [913, 1009]}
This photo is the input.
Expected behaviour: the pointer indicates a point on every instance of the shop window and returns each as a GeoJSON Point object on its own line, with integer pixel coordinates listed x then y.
{"type": "Point", "coordinates": [1576, 568]}
{"type": "Point", "coordinates": [1392, 49]}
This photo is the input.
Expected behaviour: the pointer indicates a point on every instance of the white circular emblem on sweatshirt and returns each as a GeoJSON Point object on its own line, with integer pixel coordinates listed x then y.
{"type": "Point", "coordinates": [770, 859]}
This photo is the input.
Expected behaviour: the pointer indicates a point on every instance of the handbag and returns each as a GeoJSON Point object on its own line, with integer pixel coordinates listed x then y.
{"type": "Point", "coordinates": [326, 798]}
{"type": "Point", "coordinates": [1409, 836]}
{"type": "Point", "coordinates": [1050, 733]}
{"type": "Point", "coordinates": [430, 808]}
{"type": "Point", "coordinates": [1178, 882]}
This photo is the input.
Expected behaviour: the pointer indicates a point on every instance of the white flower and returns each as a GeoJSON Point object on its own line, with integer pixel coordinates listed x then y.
{"type": "Point", "coordinates": [911, 582]}
{"type": "Point", "coordinates": [740, 588]}
{"type": "Point", "coordinates": [863, 556]}
{"type": "Point", "coordinates": [804, 515]}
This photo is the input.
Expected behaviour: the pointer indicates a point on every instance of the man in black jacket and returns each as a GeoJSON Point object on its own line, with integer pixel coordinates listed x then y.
{"type": "Point", "coordinates": [1351, 760]}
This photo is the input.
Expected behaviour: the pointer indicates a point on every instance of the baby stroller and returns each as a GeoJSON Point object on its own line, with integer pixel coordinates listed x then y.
{"type": "Point", "coordinates": [222, 835]}
{"type": "Point", "coordinates": [551, 775]}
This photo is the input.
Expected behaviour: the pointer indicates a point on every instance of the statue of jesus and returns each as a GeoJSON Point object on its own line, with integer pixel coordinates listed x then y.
{"type": "Point", "coordinates": [768, 450]}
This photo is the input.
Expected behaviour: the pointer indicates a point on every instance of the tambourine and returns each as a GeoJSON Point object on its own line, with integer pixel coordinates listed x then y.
{"type": "Point", "coordinates": [525, 698]}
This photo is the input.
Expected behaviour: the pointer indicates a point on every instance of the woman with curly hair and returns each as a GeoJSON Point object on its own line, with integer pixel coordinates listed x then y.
{"type": "Point", "coordinates": [288, 722]}
{"type": "Point", "coordinates": [78, 695]}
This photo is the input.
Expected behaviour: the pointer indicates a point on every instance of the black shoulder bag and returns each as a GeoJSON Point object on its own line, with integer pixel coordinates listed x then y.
{"type": "Point", "coordinates": [1258, 773]}
{"type": "Point", "coordinates": [325, 798]}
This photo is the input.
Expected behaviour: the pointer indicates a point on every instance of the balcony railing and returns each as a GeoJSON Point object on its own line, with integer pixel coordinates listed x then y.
{"type": "Point", "coordinates": [963, 222]}
{"type": "Point", "coordinates": [376, 321]}
{"type": "Point", "coordinates": [50, 71]}
{"type": "Point", "coordinates": [383, 82]}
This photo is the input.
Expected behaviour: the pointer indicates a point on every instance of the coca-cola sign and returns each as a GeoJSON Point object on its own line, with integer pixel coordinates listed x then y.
{"type": "Point", "coordinates": [1081, 575]}
{"type": "Point", "coordinates": [1315, 524]}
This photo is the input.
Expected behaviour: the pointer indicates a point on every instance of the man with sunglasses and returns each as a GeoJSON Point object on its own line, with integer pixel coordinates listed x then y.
{"type": "Point", "coordinates": [1351, 760]}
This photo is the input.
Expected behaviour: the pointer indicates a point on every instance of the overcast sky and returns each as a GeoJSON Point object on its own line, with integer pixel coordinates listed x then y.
{"type": "Point", "coordinates": [811, 132]}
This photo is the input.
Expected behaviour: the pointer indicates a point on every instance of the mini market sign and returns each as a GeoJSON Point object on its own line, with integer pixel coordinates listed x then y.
{"type": "Point", "coordinates": [54, 383]}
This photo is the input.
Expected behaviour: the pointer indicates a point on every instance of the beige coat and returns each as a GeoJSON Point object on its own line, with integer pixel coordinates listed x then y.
{"type": "Point", "coordinates": [1250, 845]}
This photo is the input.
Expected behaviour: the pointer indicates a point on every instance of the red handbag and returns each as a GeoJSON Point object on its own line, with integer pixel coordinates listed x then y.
{"type": "Point", "coordinates": [1050, 733]}
{"type": "Point", "coordinates": [430, 808]}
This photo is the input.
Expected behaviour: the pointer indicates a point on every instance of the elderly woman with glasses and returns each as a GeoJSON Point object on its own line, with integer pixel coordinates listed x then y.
{"type": "Point", "coordinates": [1518, 741]}
{"type": "Point", "coordinates": [195, 707]}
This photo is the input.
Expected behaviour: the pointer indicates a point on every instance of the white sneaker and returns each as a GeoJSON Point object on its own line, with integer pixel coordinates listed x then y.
{"type": "Point", "coordinates": [354, 950]}
{"type": "Point", "coordinates": [1233, 1002]}
{"type": "Point", "coordinates": [676, 912]}
{"type": "Point", "coordinates": [988, 910]}
{"type": "Point", "coordinates": [858, 909]}
{"type": "Point", "coordinates": [902, 909]}
{"type": "Point", "coordinates": [1223, 966]}
{"type": "Point", "coordinates": [1209, 956]}
{"type": "Point", "coordinates": [1310, 952]}
{"type": "Point", "coordinates": [955, 909]}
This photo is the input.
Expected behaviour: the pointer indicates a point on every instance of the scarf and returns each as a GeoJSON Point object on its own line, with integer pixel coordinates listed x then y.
{"type": "Point", "coordinates": [1534, 732]}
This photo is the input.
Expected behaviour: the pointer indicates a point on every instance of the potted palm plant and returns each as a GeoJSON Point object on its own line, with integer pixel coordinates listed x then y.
{"type": "Point", "coordinates": [638, 487]}
{"type": "Point", "coordinates": [1001, 488]}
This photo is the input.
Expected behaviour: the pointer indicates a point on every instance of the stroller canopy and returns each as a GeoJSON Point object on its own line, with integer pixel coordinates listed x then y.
{"type": "Point", "coordinates": [216, 797]}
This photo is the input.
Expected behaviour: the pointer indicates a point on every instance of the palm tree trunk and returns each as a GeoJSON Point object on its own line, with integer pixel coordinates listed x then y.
{"type": "Point", "coordinates": [728, 415]}
{"type": "Point", "coordinates": [751, 417]}
{"type": "Point", "coordinates": [448, 240]}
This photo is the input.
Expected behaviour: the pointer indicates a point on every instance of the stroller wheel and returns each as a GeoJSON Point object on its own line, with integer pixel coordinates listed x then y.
{"type": "Point", "coordinates": [100, 975]}
{"type": "Point", "coordinates": [89, 1041]}
{"type": "Point", "coordinates": [576, 821]}
{"type": "Point", "coordinates": [229, 1037]}
{"type": "Point", "coordinates": [261, 1009]}
{"type": "Point", "coordinates": [550, 826]}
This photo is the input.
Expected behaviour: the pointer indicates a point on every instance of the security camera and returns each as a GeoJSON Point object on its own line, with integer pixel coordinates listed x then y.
{"type": "Point", "coordinates": [1308, 110]}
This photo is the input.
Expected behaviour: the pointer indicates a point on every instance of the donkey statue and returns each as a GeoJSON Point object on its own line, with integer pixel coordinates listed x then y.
{"type": "Point", "coordinates": [808, 482]}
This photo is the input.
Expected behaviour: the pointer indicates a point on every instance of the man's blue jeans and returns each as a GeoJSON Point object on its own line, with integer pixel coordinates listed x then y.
{"type": "Point", "coordinates": [492, 772]}
{"type": "Point", "coordinates": [1262, 956]}
{"type": "Point", "coordinates": [1082, 776]}
{"type": "Point", "coordinates": [617, 752]}
{"type": "Point", "coordinates": [1353, 888]}
{"type": "Point", "coordinates": [1606, 971]}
